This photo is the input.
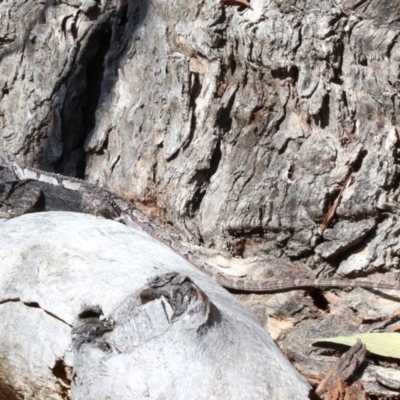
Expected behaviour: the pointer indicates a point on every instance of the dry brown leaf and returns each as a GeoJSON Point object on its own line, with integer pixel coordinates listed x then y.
{"type": "Point", "coordinates": [332, 211]}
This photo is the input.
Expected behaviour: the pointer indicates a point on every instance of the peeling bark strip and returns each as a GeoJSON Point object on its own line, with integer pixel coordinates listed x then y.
{"type": "Point", "coordinates": [131, 216]}
{"type": "Point", "coordinates": [345, 368]}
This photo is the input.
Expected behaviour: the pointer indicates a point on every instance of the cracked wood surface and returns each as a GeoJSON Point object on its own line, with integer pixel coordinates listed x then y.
{"type": "Point", "coordinates": [161, 319]}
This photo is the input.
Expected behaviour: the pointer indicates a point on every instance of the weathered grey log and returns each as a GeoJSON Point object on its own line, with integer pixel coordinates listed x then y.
{"type": "Point", "coordinates": [203, 342]}
{"type": "Point", "coordinates": [169, 341]}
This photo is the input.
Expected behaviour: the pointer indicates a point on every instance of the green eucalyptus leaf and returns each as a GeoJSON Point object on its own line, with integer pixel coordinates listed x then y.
{"type": "Point", "coordinates": [382, 344]}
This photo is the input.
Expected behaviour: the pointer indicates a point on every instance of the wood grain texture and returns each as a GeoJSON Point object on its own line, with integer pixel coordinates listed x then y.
{"type": "Point", "coordinates": [173, 326]}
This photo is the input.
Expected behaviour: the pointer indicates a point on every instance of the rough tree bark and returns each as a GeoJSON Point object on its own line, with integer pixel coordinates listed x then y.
{"type": "Point", "coordinates": [237, 128]}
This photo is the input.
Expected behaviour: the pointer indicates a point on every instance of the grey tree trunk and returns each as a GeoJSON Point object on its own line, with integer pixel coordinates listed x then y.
{"type": "Point", "coordinates": [267, 133]}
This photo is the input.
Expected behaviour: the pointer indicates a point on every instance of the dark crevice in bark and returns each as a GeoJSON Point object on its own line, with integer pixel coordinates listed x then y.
{"type": "Point", "coordinates": [337, 71]}
{"type": "Point", "coordinates": [60, 372]}
{"type": "Point", "coordinates": [344, 98]}
{"type": "Point", "coordinates": [202, 179]}
{"type": "Point", "coordinates": [176, 153]}
{"type": "Point", "coordinates": [358, 4]}
{"type": "Point", "coordinates": [94, 80]}
{"type": "Point", "coordinates": [224, 120]}
{"type": "Point", "coordinates": [104, 147]}
{"type": "Point", "coordinates": [247, 232]}
{"type": "Point", "coordinates": [322, 119]}
{"type": "Point", "coordinates": [219, 39]}
{"type": "Point", "coordinates": [232, 64]}
{"type": "Point", "coordinates": [220, 20]}
{"type": "Point", "coordinates": [282, 150]}
{"type": "Point", "coordinates": [359, 161]}
{"type": "Point", "coordinates": [313, 396]}
{"type": "Point", "coordinates": [391, 45]}
{"type": "Point", "coordinates": [195, 90]}
{"type": "Point", "coordinates": [215, 160]}
{"type": "Point", "coordinates": [319, 299]}
{"type": "Point", "coordinates": [87, 86]}
{"type": "Point", "coordinates": [82, 100]}
{"type": "Point", "coordinates": [291, 72]}
{"type": "Point", "coordinates": [123, 15]}
{"type": "Point", "coordinates": [290, 170]}
{"type": "Point", "coordinates": [362, 60]}
{"type": "Point", "coordinates": [94, 311]}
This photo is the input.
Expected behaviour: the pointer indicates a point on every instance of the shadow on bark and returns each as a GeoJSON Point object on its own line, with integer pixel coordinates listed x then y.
{"type": "Point", "coordinates": [85, 88]}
